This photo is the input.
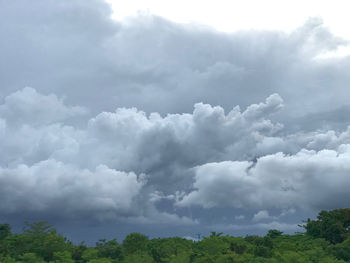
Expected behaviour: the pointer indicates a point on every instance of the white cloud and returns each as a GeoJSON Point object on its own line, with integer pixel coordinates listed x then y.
{"type": "Point", "coordinates": [27, 106]}
{"type": "Point", "coordinates": [261, 215]}
{"type": "Point", "coordinates": [307, 180]}
{"type": "Point", "coordinates": [67, 191]}
{"type": "Point", "coordinates": [191, 238]}
{"type": "Point", "coordinates": [231, 16]}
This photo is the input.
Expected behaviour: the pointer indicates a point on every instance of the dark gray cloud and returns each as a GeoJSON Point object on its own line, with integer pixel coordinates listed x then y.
{"type": "Point", "coordinates": [122, 124]}
{"type": "Point", "coordinates": [159, 149]}
{"type": "Point", "coordinates": [130, 166]}
{"type": "Point", "coordinates": [75, 50]}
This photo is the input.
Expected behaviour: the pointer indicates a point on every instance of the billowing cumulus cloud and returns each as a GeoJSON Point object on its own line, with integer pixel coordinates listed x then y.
{"type": "Point", "coordinates": [56, 156]}
{"type": "Point", "coordinates": [26, 106]}
{"type": "Point", "coordinates": [131, 140]}
{"type": "Point", "coordinates": [118, 165]}
{"type": "Point", "coordinates": [147, 121]}
{"type": "Point", "coordinates": [54, 187]}
{"type": "Point", "coordinates": [306, 180]}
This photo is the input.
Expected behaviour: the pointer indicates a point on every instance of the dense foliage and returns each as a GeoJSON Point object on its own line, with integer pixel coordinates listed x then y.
{"type": "Point", "coordinates": [326, 240]}
{"type": "Point", "coordinates": [332, 225]}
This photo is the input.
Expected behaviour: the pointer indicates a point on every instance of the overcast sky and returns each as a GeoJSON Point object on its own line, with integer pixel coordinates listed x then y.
{"type": "Point", "coordinates": [173, 119]}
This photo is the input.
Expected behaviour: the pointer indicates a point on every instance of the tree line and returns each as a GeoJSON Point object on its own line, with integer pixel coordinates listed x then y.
{"type": "Point", "coordinates": [325, 240]}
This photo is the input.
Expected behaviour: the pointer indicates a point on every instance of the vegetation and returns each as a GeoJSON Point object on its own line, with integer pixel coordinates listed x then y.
{"type": "Point", "coordinates": [326, 240]}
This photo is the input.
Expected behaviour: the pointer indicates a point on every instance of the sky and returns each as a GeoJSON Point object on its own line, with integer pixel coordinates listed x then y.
{"type": "Point", "coordinates": [230, 16]}
{"type": "Point", "coordinates": [173, 120]}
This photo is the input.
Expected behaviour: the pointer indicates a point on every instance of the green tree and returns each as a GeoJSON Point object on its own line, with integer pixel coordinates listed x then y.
{"type": "Point", "coordinates": [37, 238]}
{"type": "Point", "coordinates": [90, 254]}
{"type": "Point", "coordinates": [167, 249]}
{"type": "Point", "coordinates": [78, 252]}
{"type": "Point", "coordinates": [135, 242]}
{"type": "Point", "coordinates": [109, 249]}
{"type": "Point", "coordinates": [262, 245]}
{"type": "Point", "coordinates": [215, 234]}
{"type": "Point", "coordinates": [138, 257]}
{"type": "Point", "coordinates": [6, 259]}
{"type": "Point", "coordinates": [62, 257]}
{"type": "Point", "coordinates": [333, 225]}
{"type": "Point", "coordinates": [101, 260]}
{"type": "Point", "coordinates": [273, 233]}
{"type": "Point", "coordinates": [210, 249]}
{"type": "Point", "coordinates": [342, 250]}
{"type": "Point", "coordinates": [238, 245]}
{"type": "Point", "coordinates": [5, 231]}
{"type": "Point", "coordinates": [31, 258]}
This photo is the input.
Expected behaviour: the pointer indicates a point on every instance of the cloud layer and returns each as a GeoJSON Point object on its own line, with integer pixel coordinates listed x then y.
{"type": "Point", "coordinates": [75, 50]}
{"type": "Point", "coordinates": [121, 165]}
{"type": "Point", "coordinates": [116, 144]}
{"type": "Point", "coordinates": [147, 121]}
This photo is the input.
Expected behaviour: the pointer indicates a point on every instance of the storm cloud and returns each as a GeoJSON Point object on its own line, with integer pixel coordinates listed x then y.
{"type": "Point", "coordinates": [146, 121]}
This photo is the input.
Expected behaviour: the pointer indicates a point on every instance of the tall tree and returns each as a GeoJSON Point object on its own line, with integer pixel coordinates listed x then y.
{"type": "Point", "coordinates": [5, 230]}
{"type": "Point", "coordinates": [333, 225]}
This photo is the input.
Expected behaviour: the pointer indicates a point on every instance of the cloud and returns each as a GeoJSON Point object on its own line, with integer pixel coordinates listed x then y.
{"type": "Point", "coordinates": [27, 106]}
{"type": "Point", "coordinates": [240, 217]}
{"type": "Point", "coordinates": [155, 65]}
{"type": "Point", "coordinates": [307, 180]}
{"type": "Point", "coordinates": [212, 158]}
{"type": "Point", "coordinates": [127, 140]}
{"type": "Point", "coordinates": [261, 215]}
{"type": "Point", "coordinates": [64, 190]}
{"type": "Point", "coordinates": [2, 127]}
{"type": "Point", "coordinates": [147, 107]}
